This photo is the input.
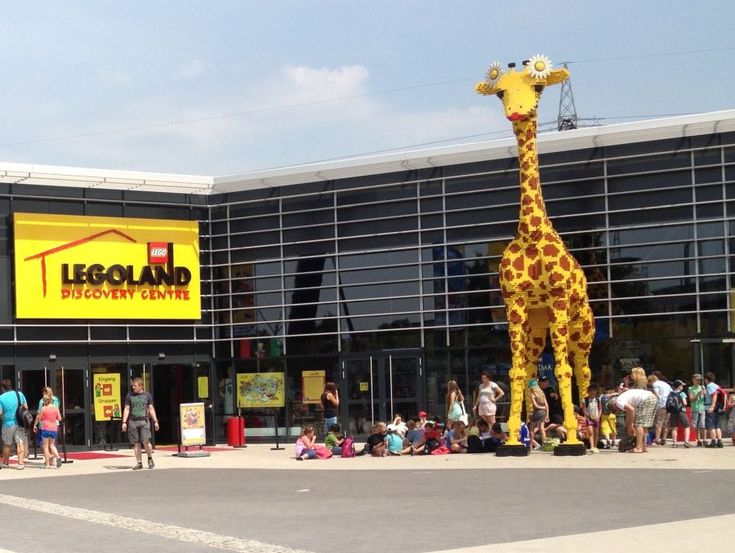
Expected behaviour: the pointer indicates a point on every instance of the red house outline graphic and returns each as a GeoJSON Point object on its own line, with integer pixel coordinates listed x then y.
{"type": "Point", "coordinates": [42, 256]}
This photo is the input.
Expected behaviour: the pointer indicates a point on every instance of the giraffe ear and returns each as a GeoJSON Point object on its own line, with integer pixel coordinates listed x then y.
{"type": "Point", "coordinates": [557, 76]}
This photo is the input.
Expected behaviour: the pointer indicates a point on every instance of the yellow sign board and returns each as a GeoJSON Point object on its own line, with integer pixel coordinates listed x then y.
{"type": "Point", "coordinates": [256, 390]}
{"type": "Point", "coordinates": [106, 388]}
{"type": "Point", "coordinates": [79, 267]}
{"type": "Point", "coordinates": [193, 429]}
{"type": "Point", "coordinates": [203, 387]}
{"type": "Point", "coordinates": [364, 386]}
{"type": "Point", "coordinates": [313, 386]}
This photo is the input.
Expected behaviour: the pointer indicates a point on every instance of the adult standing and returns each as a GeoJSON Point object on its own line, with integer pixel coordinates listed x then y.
{"type": "Point", "coordinates": [553, 400]}
{"type": "Point", "coordinates": [137, 416]}
{"type": "Point", "coordinates": [639, 406]}
{"type": "Point", "coordinates": [48, 419]}
{"type": "Point", "coordinates": [662, 389]}
{"type": "Point", "coordinates": [711, 408]}
{"type": "Point", "coordinates": [330, 403]}
{"type": "Point", "coordinates": [488, 394]}
{"type": "Point", "coordinates": [455, 403]}
{"type": "Point", "coordinates": [46, 390]}
{"type": "Point", "coordinates": [12, 432]}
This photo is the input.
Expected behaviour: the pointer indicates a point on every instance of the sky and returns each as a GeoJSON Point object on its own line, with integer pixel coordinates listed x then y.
{"type": "Point", "coordinates": [230, 87]}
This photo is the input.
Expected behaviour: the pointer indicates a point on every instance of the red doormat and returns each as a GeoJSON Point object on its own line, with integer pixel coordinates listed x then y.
{"type": "Point", "coordinates": [89, 455]}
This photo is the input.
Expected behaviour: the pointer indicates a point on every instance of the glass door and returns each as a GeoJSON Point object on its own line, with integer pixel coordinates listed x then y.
{"type": "Point", "coordinates": [378, 386]}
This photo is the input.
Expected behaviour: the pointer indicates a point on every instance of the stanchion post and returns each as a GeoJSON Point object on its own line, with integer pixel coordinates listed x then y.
{"type": "Point", "coordinates": [275, 424]}
{"type": "Point", "coordinates": [63, 417]}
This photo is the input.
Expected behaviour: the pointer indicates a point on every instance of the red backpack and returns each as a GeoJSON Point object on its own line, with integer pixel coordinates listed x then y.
{"type": "Point", "coordinates": [348, 447]}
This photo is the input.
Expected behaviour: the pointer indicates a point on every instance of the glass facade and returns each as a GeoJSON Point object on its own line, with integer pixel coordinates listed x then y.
{"type": "Point", "coordinates": [388, 281]}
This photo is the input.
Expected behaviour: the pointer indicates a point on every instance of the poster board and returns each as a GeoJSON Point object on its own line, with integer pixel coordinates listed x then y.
{"type": "Point", "coordinates": [193, 429]}
{"type": "Point", "coordinates": [312, 386]}
{"type": "Point", "coordinates": [260, 390]}
{"type": "Point", "coordinates": [106, 390]}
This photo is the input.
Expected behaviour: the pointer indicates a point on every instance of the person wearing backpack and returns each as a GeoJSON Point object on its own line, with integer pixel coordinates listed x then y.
{"type": "Point", "coordinates": [676, 407]}
{"type": "Point", "coordinates": [12, 431]}
{"type": "Point", "coordinates": [712, 406]}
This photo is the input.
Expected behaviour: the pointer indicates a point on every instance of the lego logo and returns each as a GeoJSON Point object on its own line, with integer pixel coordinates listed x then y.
{"type": "Point", "coordinates": [158, 252]}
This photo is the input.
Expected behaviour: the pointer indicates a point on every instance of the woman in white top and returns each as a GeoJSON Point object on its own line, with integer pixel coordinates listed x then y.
{"type": "Point", "coordinates": [488, 394]}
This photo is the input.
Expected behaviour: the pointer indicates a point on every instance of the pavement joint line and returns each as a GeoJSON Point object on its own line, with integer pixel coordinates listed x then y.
{"type": "Point", "coordinates": [188, 535]}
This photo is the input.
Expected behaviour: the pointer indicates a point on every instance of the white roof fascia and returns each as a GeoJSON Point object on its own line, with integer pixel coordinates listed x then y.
{"type": "Point", "coordinates": [589, 137]}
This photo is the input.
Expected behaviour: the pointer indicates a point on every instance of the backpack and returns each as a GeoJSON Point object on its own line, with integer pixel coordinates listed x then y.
{"type": "Point", "coordinates": [348, 447]}
{"type": "Point", "coordinates": [674, 404]}
{"type": "Point", "coordinates": [720, 399]}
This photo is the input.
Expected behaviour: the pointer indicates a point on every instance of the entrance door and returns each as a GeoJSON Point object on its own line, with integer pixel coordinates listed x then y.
{"type": "Point", "coordinates": [378, 386]}
{"type": "Point", "coordinates": [171, 385]}
{"type": "Point", "coordinates": [69, 385]}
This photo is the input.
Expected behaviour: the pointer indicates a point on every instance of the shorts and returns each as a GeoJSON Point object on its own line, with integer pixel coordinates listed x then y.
{"type": "Point", "coordinates": [13, 433]}
{"type": "Point", "coordinates": [661, 418]}
{"type": "Point", "coordinates": [679, 419]}
{"type": "Point", "coordinates": [487, 408]}
{"type": "Point", "coordinates": [139, 431]}
{"type": "Point", "coordinates": [539, 415]}
{"type": "Point", "coordinates": [645, 411]}
{"type": "Point", "coordinates": [711, 420]}
{"type": "Point", "coordinates": [593, 424]}
{"type": "Point", "coordinates": [698, 419]}
{"type": "Point", "coordinates": [50, 434]}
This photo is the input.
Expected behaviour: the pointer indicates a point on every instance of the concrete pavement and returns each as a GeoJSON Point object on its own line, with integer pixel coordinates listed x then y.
{"type": "Point", "coordinates": [256, 499]}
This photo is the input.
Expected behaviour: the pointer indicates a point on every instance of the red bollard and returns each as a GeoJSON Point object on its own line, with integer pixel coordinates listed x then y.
{"type": "Point", "coordinates": [236, 431]}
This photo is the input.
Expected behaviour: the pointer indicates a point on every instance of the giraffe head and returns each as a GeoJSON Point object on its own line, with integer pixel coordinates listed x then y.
{"type": "Point", "coordinates": [520, 90]}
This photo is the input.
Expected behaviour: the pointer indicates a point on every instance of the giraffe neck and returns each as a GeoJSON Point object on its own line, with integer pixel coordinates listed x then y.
{"type": "Point", "coordinates": [532, 217]}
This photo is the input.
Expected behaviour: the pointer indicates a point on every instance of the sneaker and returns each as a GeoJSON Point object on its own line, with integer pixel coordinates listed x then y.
{"type": "Point", "coordinates": [58, 462]}
{"type": "Point", "coordinates": [699, 443]}
{"type": "Point", "coordinates": [720, 444]}
{"type": "Point", "coordinates": [151, 464]}
{"type": "Point", "coordinates": [711, 445]}
{"type": "Point", "coordinates": [674, 445]}
{"type": "Point", "coordinates": [396, 453]}
{"type": "Point", "coordinates": [686, 445]}
{"type": "Point", "coordinates": [138, 466]}
{"type": "Point", "coordinates": [21, 467]}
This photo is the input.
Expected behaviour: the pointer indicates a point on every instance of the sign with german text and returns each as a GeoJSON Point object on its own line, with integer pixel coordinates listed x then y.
{"type": "Point", "coordinates": [106, 390]}
{"type": "Point", "coordinates": [79, 267]}
{"type": "Point", "coordinates": [313, 386]}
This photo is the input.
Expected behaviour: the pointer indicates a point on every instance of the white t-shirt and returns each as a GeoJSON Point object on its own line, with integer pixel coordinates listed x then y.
{"type": "Point", "coordinates": [632, 397]}
{"type": "Point", "coordinates": [662, 390]}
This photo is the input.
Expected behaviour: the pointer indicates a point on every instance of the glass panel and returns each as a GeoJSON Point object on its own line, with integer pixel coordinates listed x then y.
{"type": "Point", "coordinates": [360, 386]}
{"type": "Point", "coordinates": [108, 432]}
{"type": "Point", "coordinates": [72, 404]}
{"type": "Point", "coordinates": [403, 379]}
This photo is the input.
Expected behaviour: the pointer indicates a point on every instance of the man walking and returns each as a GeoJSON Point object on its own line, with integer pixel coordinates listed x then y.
{"type": "Point", "coordinates": [137, 416]}
{"type": "Point", "coordinates": [12, 431]}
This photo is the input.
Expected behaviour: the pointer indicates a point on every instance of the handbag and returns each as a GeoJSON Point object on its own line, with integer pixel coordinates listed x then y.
{"type": "Point", "coordinates": [23, 416]}
{"type": "Point", "coordinates": [464, 417]}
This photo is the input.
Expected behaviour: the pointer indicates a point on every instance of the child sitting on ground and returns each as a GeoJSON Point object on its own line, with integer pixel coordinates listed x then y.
{"type": "Point", "coordinates": [394, 441]}
{"type": "Point", "coordinates": [415, 437]}
{"type": "Point", "coordinates": [432, 437]}
{"type": "Point", "coordinates": [457, 438]}
{"type": "Point", "coordinates": [334, 439]}
{"type": "Point", "coordinates": [305, 444]}
{"type": "Point", "coordinates": [376, 444]}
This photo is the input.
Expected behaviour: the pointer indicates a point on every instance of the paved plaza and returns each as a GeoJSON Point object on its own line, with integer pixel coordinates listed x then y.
{"type": "Point", "coordinates": [260, 500]}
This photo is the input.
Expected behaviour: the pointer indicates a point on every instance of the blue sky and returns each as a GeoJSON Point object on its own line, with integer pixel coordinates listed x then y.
{"type": "Point", "coordinates": [225, 87]}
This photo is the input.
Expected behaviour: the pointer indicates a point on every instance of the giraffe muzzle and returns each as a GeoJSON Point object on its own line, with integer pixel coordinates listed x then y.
{"type": "Point", "coordinates": [515, 116]}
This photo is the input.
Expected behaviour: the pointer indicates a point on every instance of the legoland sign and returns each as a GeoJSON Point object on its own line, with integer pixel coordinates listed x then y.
{"type": "Point", "coordinates": [76, 267]}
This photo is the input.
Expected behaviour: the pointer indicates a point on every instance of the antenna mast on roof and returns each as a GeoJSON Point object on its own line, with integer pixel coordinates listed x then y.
{"type": "Point", "coordinates": [567, 118]}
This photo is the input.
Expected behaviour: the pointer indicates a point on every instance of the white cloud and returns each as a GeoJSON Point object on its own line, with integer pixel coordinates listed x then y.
{"type": "Point", "coordinates": [115, 78]}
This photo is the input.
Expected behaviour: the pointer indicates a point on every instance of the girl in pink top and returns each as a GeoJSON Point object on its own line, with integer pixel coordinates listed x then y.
{"type": "Point", "coordinates": [49, 417]}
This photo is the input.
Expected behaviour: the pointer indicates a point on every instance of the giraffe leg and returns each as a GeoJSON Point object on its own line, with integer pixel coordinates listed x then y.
{"type": "Point", "coordinates": [559, 324]}
{"type": "Point", "coordinates": [582, 334]}
{"type": "Point", "coordinates": [518, 330]}
{"type": "Point", "coordinates": [535, 344]}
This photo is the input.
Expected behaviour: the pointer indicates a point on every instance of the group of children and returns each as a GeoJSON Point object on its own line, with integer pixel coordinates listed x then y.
{"type": "Point", "coordinates": [420, 436]}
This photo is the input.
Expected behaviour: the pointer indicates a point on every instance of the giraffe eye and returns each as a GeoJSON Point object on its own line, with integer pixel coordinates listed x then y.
{"type": "Point", "coordinates": [539, 66]}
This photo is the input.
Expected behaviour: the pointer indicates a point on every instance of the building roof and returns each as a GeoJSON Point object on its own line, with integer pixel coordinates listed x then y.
{"type": "Point", "coordinates": [608, 135]}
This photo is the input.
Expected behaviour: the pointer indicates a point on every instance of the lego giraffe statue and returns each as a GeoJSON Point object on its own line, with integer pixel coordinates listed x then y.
{"type": "Point", "coordinates": [544, 288]}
